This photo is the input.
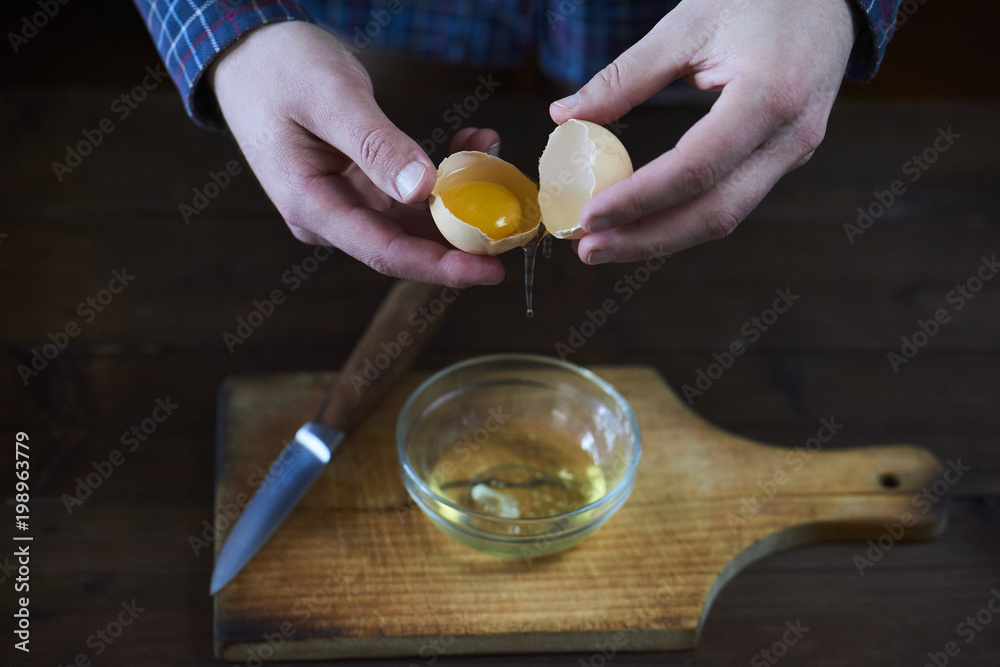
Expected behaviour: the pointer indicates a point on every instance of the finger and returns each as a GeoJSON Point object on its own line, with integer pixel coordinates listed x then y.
{"type": "Point", "coordinates": [377, 240]}
{"type": "Point", "coordinates": [389, 250]}
{"type": "Point", "coordinates": [475, 139]}
{"type": "Point", "coordinates": [350, 120]}
{"type": "Point", "coordinates": [307, 237]}
{"type": "Point", "coordinates": [739, 122]}
{"type": "Point", "coordinates": [640, 72]}
{"type": "Point", "coordinates": [711, 216]}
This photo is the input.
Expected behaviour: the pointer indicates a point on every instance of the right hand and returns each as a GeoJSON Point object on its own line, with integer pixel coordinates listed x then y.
{"type": "Point", "coordinates": [301, 108]}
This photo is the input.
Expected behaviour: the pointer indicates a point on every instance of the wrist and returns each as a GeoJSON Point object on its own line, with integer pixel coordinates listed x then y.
{"type": "Point", "coordinates": [228, 64]}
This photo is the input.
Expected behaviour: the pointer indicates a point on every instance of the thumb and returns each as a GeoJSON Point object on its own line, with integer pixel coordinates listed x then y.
{"type": "Point", "coordinates": [640, 72]}
{"type": "Point", "coordinates": [392, 160]}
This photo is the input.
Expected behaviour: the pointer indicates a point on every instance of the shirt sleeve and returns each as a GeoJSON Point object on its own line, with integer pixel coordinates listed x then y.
{"type": "Point", "coordinates": [189, 34]}
{"type": "Point", "coordinates": [879, 18]}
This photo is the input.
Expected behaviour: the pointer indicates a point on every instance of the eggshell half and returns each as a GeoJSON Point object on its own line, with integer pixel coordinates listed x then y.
{"type": "Point", "coordinates": [473, 166]}
{"type": "Point", "coordinates": [580, 159]}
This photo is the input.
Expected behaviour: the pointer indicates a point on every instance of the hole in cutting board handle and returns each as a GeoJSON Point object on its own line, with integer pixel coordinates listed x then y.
{"type": "Point", "coordinates": [888, 480]}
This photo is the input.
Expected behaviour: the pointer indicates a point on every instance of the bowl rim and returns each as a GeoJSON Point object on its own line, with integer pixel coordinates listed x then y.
{"type": "Point", "coordinates": [627, 479]}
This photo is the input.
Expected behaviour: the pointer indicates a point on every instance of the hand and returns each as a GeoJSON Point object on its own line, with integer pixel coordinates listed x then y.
{"type": "Point", "coordinates": [340, 173]}
{"type": "Point", "coordinates": [778, 64]}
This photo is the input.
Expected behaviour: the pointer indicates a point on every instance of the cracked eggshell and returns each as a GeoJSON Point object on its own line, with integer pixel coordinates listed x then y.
{"type": "Point", "coordinates": [474, 166]}
{"type": "Point", "coordinates": [580, 159]}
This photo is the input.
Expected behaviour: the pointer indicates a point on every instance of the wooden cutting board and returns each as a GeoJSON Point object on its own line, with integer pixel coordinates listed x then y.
{"type": "Point", "coordinates": [357, 571]}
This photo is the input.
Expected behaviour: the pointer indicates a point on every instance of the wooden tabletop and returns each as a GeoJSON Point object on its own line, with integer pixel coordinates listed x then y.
{"type": "Point", "coordinates": [124, 546]}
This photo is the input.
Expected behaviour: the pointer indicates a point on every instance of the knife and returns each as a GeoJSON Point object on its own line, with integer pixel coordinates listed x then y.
{"type": "Point", "coordinates": [401, 328]}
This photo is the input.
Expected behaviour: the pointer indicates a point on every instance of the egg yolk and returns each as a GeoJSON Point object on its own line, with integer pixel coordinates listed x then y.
{"type": "Point", "coordinates": [491, 208]}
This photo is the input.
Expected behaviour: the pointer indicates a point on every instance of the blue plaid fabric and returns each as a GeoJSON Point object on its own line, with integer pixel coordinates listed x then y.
{"type": "Point", "coordinates": [869, 47]}
{"type": "Point", "coordinates": [189, 34]}
{"type": "Point", "coordinates": [573, 39]}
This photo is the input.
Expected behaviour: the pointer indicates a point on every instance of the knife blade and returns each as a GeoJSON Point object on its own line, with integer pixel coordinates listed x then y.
{"type": "Point", "coordinates": [288, 479]}
{"type": "Point", "coordinates": [353, 394]}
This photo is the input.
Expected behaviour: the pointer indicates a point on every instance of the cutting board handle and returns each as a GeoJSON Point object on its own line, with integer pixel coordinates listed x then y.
{"type": "Point", "coordinates": [899, 490]}
{"type": "Point", "coordinates": [822, 495]}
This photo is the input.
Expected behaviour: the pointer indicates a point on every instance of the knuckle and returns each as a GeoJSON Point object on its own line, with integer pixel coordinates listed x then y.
{"type": "Point", "coordinates": [298, 222]}
{"type": "Point", "coordinates": [615, 78]}
{"type": "Point", "coordinates": [297, 226]}
{"type": "Point", "coordinates": [802, 160]}
{"type": "Point", "coordinates": [293, 183]}
{"type": "Point", "coordinates": [786, 97]}
{"type": "Point", "coordinates": [381, 264]}
{"type": "Point", "coordinates": [696, 178]}
{"type": "Point", "coordinates": [356, 76]}
{"type": "Point", "coordinates": [810, 136]}
{"type": "Point", "coordinates": [294, 219]}
{"type": "Point", "coordinates": [631, 208]}
{"type": "Point", "coordinates": [612, 76]}
{"type": "Point", "coordinates": [381, 259]}
{"type": "Point", "coordinates": [300, 234]}
{"type": "Point", "coordinates": [374, 145]}
{"type": "Point", "coordinates": [720, 224]}
{"type": "Point", "coordinates": [376, 263]}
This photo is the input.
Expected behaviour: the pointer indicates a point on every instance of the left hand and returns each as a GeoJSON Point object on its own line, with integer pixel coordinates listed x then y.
{"type": "Point", "coordinates": [778, 65]}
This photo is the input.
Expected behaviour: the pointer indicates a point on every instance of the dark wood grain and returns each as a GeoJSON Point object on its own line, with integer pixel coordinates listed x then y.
{"type": "Point", "coordinates": [862, 295]}
{"type": "Point", "coordinates": [162, 337]}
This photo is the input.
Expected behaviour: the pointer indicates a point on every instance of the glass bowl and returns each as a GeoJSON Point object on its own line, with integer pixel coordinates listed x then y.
{"type": "Point", "coordinates": [518, 456]}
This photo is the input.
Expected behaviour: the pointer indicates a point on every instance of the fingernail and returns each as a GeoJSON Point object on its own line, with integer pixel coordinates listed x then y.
{"type": "Point", "coordinates": [494, 149]}
{"type": "Point", "coordinates": [599, 257]}
{"type": "Point", "coordinates": [409, 179]}
{"type": "Point", "coordinates": [568, 103]}
{"type": "Point", "coordinates": [599, 224]}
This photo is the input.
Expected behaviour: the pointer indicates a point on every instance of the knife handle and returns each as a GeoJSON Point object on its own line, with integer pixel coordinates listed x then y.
{"type": "Point", "coordinates": [392, 342]}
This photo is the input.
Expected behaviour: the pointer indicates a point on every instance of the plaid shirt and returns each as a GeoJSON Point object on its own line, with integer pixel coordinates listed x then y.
{"type": "Point", "coordinates": [573, 39]}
